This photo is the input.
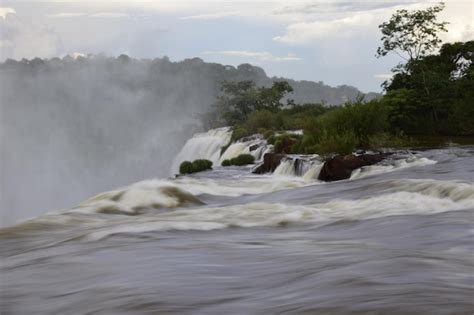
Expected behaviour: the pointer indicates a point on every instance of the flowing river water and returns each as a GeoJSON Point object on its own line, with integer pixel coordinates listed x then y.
{"type": "Point", "coordinates": [396, 238]}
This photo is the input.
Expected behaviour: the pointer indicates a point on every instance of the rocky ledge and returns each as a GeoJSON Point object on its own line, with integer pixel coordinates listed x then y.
{"type": "Point", "coordinates": [269, 164]}
{"type": "Point", "coordinates": [341, 166]}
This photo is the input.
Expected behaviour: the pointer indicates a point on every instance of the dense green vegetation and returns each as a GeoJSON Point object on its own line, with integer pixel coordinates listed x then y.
{"type": "Point", "coordinates": [429, 95]}
{"type": "Point", "coordinates": [242, 159]}
{"type": "Point", "coordinates": [200, 165]}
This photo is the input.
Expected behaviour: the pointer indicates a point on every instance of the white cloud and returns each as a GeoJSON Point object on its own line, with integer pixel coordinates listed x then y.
{"type": "Point", "coordinates": [4, 11]}
{"type": "Point", "coordinates": [383, 76]}
{"type": "Point", "coordinates": [94, 15]}
{"type": "Point", "coordinates": [459, 13]}
{"type": "Point", "coordinates": [260, 55]}
{"type": "Point", "coordinates": [67, 15]}
{"type": "Point", "coordinates": [306, 32]}
{"type": "Point", "coordinates": [26, 39]}
{"type": "Point", "coordinates": [211, 16]}
{"type": "Point", "coordinates": [109, 15]}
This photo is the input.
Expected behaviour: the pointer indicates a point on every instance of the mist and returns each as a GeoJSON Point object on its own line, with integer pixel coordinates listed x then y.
{"type": "Point", "coordinates": [74, 127]}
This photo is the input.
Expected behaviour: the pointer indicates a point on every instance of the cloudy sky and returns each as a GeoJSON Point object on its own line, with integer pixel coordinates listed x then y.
{"type": "Point", "coordinates": [321, 40]}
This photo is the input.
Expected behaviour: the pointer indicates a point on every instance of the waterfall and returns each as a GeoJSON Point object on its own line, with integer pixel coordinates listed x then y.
{"type": "Point", "coordinates": [206, 145]}
{"type": "Point", "coordinates": [254, 145]}
{"type": "Point", "coordinates": [286, 168]}
{"type": "Point", "coordinates": [313, 172]}
{"type": "Point", "coordinates": [306, 166]}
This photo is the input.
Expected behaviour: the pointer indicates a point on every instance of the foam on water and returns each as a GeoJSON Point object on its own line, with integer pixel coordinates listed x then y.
{"type": "Point", "coordinates": [402, 202]}
{"type": "Point", "coordinates": [456, 191]}
{"type": "Point", "coordinates": [132, 200]}
{"type": "Point", "coordinates": [389, 166]}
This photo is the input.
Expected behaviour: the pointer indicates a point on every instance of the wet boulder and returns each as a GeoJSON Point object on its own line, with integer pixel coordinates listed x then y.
{"type": "Point", "coordinates": [341, 166]}
{"type": "Point", "coordinates": [269, 164]}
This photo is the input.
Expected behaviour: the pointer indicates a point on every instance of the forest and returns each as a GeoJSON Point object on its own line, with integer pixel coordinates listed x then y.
{"type": "Point", "coordinates": [429, 98]}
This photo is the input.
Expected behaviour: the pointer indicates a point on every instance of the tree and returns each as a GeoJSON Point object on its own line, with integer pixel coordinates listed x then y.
{"type": "Point", "coordinates": [239, 99]}
{"type": "Point", "coordinates": [270, 98]}
{"type": "Point", "coordinates": [412, 34]}
{"type": "Point", "coordinates": [449, 78]}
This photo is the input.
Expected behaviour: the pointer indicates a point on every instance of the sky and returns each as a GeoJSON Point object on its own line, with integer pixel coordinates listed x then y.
{"type": "Point", "coordinates": [333, 41]}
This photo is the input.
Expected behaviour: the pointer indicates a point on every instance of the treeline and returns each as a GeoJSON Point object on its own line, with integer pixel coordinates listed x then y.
{"type": "Point", "coordinates": [194, 74]}
{"type": "Point", "coordinates": [433, 96]}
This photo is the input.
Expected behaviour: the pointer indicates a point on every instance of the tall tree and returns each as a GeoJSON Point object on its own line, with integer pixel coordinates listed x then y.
{"type": "Point", "coordinates": [412, 34]}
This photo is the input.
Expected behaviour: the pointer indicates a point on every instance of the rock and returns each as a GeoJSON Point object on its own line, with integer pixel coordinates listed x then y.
{"type": "Point", "coordinates": [254, 147]}
{"type": "Point", "coordinates": [341, 166]}
{"type": "Point", "coordinates": [269, 164]}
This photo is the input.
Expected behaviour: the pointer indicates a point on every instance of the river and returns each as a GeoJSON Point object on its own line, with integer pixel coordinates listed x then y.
{"type": "Point", "coordinates": [396, 238]}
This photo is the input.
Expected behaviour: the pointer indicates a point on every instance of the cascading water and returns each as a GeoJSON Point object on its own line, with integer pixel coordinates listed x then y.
{"type": "Point", "coordinates": [286, 168]}
{"type": "Point", "coordinates": [206, 145]}
{"type": "Point", "coordinates": [254, 145]}
{"type": "Point", "coordinates": [313, 172]}
{"type": "Point", "coordinates": [306, 166]}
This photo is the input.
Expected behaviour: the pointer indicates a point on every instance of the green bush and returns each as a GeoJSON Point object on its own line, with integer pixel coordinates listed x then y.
{"type": "Point", "coordinates": [242, 159]}
{"type": "Point", "coordinates": [386, 140]}
{"type": "Point", "coordinates": [271, 139]}
{"type": "Point", "coordinates": [260, 119]}
{"type": "Point", "coordinates": [201, 165]}
{"type": "Point", "coordinates": [341, 143]}
{"type": "Point", "coordinates": [277, 144]}
{"type": "Point", "coordinates": [226, 163]}
{"type": "Point", "coordinates": [239, 133]}
{"type": "Point", "coordinates": [268, 134]}
{"type": "Point", "coordinates": [186, 168]}
{"type": "Point", "coordinates": [287, 143]}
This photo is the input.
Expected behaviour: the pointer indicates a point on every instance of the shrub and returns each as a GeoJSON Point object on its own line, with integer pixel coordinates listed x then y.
{"type": "Point", "coordinates": [260, 119]}
{"type": "Point", "coordinates": [268, 134]}
{"type": "Point", "coordinates": [341, 143]}
{"type": "Point", "coordinates": [186, 167]}
{"type": "Point", "coordinates": [226, 163]}
{"type": "Point", "coordinates": [286, 143]}
{"type": "Point", "coordinates": [201, 165]}
{"type": "Point", "coordinates": [271, 139]}
{"type": "Point", "coordinates": [242, 159]}
{"type": "Point", "coordinates": [239, 133]}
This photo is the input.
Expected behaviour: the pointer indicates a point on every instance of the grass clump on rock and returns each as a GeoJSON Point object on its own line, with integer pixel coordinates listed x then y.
{"type": "Point", "coordinates": [226, 163]}
{"type": "Point", "coordinates": [242, 159]}
{"type": "Point", "coordinates": [200, 165]}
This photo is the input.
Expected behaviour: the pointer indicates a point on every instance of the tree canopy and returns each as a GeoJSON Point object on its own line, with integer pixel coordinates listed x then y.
{"type": "Point", "coordinates": [412, 34]}
{"type": "Point", "coordinates": [239, 99]}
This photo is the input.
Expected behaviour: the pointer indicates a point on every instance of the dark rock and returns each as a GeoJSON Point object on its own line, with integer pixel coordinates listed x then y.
{"type": "Point", "coordinates": [269, 164]}
{"type": "Point", "coordinates": [341, 166]}
{"type": "Point", "coordinates": [254, 147]}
